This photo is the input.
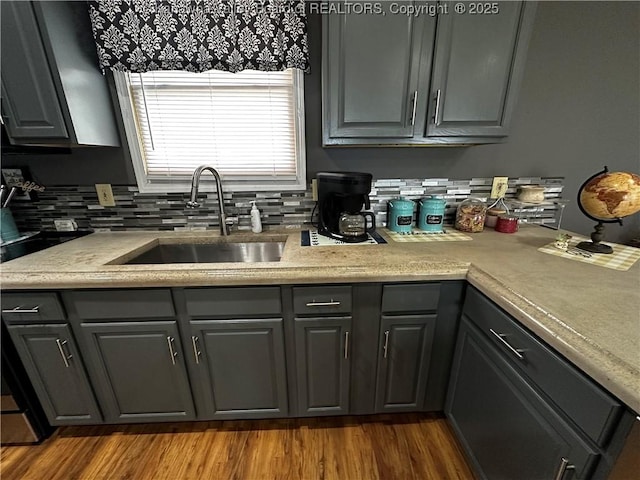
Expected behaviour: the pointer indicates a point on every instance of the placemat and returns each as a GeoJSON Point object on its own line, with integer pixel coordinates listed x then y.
{"type": "Point", "coordinates": [311, 238]}
{"type": "Point", "coordinates": [447, 235]}
{"type": "Point", "coordinates": [622, 258]}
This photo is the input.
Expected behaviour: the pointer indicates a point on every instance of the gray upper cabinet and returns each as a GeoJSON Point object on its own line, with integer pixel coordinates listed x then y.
{"type": "Point", "coordinates": [477, 68]}
{"type": "Point", "coordinates": [397, 79]}
{"type": "Point", "coordinates": [323, 365]}
{"type": "Point", "coordinates": [241, 366]}
{"type": "Point", "coordinates": [403, 363]}
{"type": "Point", "coordinates": [371, 65]}
{"type": "Point", "coordinates": [52, 90]}
{"type": "Point", "coordinates": [138, 369]}
{"type": "Point", "coordinates": [50, 356]}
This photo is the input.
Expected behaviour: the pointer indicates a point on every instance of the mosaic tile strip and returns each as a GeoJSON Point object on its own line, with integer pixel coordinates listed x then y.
{"type": "Point", "coordinates": [137, 211]}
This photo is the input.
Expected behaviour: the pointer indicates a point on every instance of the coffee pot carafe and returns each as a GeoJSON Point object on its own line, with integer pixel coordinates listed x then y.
{"type": "Point", "coordinates": [355, 224]}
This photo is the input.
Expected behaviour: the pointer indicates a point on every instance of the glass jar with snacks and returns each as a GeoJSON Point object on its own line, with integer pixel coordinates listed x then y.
{"type": "Point", "coordinates": [470, 215]}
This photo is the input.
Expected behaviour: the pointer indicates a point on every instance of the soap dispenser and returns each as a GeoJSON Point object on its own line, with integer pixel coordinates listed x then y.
{"type": "Point", "coordinates": [256, 223]}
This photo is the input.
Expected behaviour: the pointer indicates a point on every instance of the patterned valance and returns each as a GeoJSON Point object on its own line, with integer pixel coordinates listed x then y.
{"type": "Point", "coordinates": [200, 35]}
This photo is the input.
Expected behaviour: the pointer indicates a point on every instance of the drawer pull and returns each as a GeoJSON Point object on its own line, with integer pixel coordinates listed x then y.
{"type": "Point", "coordinates": [65, 357]}
{"type": "Point", "coordinates": [196, 352]}
{"type": "Point", "coordinates": [562, 469]}
{"type": "Point", "coordinates": [172, 351]}
{"type": "Point", "coordinates": [515, 351]}
{"type": "Point", "coordinates": [35, 309]}
{"type": "Point", "coordinates": [323, 304]}
{"type": "Point", "coordinates": [386, 343]}
{"type": "Point", "coordinates": [346, 345]}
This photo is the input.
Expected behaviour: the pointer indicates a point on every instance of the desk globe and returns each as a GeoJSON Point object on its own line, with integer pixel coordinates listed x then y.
{"type": "Point", "coordinates": [607, 197]}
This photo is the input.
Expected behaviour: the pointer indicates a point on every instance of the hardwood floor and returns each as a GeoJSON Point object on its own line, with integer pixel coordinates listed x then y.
{"type": "Point", "coordinates": [403, 447]}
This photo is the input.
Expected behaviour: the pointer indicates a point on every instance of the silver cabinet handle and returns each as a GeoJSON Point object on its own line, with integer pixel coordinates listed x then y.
{"type": "Point", "coordinates": [515, 351]}
{"type": "Point", "coordinates": [65, 357]}
{"type": "Point", "coordinates": [35, 309]}
{"type": "Point", "coordinates": [172, 350]}
{"type": "Point", "coordinates": [436, 113]}
{"type": "Point", "coordinates": [413, 109]}
{"type": "Point", "coordinates": [386, 343]}
{"type": "Point", "coordinates": [346, 345]}
{"type": "Point", "coordinates": [323, 304]}
{"type": "Point", "coordinates": [196, 352]}
{"type": "Point", "coordinates": [562, 469]}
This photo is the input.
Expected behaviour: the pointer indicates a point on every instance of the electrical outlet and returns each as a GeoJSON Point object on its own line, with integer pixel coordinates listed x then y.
{"type": "Point", "coordinates": [314, 189]}
{"type": "Point", "coordinates": [105, 195]}
{"type": "Point", "coordinates": [499, 187]}
{"type": "Point", "coordinates": [65, 225]}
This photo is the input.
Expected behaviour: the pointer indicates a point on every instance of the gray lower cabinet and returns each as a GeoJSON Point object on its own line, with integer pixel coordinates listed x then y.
{"type": "Point", "coordinates": [323, 365]}
{"type": "Point", "coordinates": [138, 370]}
{"type": "Point", "coordinates": [240, 365]}
{"type": "Point", "coordinates": [55, 369]}
{"type": "Point", "coordinates": [403, 363]}
{"type": "Point", "coordinates": [505, 426]}
{"type": "Point", "coordinates": [520, 410]}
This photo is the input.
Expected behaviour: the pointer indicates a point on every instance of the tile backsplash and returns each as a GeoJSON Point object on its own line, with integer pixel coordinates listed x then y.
{"type": "Point", "coordinates": [136, 211]}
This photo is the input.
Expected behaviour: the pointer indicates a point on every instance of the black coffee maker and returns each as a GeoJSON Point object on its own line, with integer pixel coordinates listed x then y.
{"type": "Point", "coordinates": [341, 198]}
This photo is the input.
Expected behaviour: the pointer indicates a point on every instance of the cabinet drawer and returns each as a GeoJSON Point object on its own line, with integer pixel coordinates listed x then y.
{"type": "Point", "coordinates": [320, 300]}
{"type": "Point", "coordinates": [228, 302]}
{"type": "Point", "coordinates": [590, 407]}
{"type": "Point", "coordinates": [413, 297]}
{"type": "Point", "coordinates": [122, 304]}
{"type": "Point", "coordinates": [31, 307]}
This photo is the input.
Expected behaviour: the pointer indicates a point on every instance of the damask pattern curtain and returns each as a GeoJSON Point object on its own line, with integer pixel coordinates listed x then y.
{"type": "Point", "coordinates": [200, 35]}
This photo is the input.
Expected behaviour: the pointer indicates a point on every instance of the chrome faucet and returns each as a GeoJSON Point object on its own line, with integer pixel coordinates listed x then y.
{"type": "Point", "coordinates": [193, 201]}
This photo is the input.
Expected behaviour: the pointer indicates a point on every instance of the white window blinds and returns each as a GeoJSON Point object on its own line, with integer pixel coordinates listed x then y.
{"type": "Point", "coordinates": [246, 125]}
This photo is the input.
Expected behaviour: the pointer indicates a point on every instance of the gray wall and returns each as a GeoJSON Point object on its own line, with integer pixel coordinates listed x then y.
{"type": "Point", "coordinates": [579, 109]}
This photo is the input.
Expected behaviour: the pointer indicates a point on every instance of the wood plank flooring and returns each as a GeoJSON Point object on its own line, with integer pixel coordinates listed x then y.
{"type": "Point", "coordinates": [385, 447]}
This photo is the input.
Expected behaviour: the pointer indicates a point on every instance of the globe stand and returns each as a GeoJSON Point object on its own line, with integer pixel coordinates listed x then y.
{"type": "Point", "coordinates": [595, 246]}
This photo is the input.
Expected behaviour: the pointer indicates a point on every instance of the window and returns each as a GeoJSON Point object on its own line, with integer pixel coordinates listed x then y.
{"type": "Point", "coordinates": [248, 125]}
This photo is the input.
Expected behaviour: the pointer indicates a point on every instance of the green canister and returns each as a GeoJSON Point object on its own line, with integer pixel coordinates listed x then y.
{"type": "Point", "coordinates": [400, 217]}
{"type": "Point", "coordinates": [431, 214]}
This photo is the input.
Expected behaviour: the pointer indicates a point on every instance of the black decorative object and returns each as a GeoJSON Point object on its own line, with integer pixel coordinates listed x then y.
{"type": "Point", "coordinates": [594, 246]}
{"type": "Point", "coordinates": [200, 35]}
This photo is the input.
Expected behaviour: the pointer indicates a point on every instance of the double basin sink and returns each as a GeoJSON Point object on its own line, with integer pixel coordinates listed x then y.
{"type": "Point", "coordinates": [220, 251]}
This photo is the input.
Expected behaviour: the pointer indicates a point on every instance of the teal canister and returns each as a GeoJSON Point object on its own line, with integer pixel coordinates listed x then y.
{"type": "Point", "coordinates": [8, 229]}
{"type": "Point", "coordinates": [400, 215]}
{"type": "Point", "coordinates": [431, 214]}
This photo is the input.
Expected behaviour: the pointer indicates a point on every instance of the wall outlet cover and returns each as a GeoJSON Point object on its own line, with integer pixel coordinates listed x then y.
{"type": "Point", "coordinates": [499, 187]}
{"type": "Point", "coordinates": [314, 189]}
{"type": "Point", "coordinates": [105, 195]}
{"type": "Point", "coordinates": [65, 225]}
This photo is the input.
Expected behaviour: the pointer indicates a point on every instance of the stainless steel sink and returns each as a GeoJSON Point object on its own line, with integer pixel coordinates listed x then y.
{"type": "Point", "coordinates": [210, 253]}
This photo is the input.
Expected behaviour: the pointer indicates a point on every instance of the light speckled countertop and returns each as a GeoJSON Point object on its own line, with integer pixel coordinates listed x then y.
{"type": "Point", "coordinates": [589, 314]}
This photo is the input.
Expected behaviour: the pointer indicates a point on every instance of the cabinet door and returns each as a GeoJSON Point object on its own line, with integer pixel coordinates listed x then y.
{"type": "Point", "coordinates": [138, 370]}
{"type": "Point", "coordinates": [55, 369]}
{"type": "Point", "coordinates": [403, 363]}
{"type": "Point", "coordinates": [505, 426]}
{"type": "Point", "coordinates": [477, 68]}
{"type": "Point", "coordinates": [323, 365]}
{"type": "Point", "coordinates": [242, 364]}
{"type": "Point", "coordinates": [29, 98]}
{"type": "Point", "coordinates": [370, 70]}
